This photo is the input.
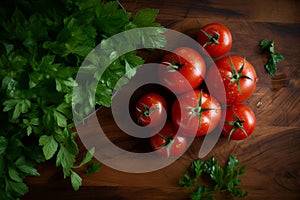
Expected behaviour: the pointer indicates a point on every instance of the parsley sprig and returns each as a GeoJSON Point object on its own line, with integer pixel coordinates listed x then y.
{"type": "Point", "coordinates": [224, 179]}
{"type": "Point", "coordinates": [42, 46]}
{"type": "Point", "coordinates": [274, 58]}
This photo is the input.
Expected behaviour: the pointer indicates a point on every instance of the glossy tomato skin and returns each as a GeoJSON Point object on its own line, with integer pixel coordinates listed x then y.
{"type": "Point", "coordinates": [224, 39]}
{"type": "Point", "coordinates": [177, 146]}
{"type": "Point", "coordinates": [244, 113]}
{"type": "Point", "coordinates": [189, 122]}
{"type": "Point", "coordinates": [151, 110]}
{"type": "Point", "coordinates": [192, 68]}
{"type": "Point", "coordinates": [221, 76]}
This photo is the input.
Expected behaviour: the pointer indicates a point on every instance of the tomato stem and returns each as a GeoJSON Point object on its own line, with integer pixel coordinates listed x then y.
{"type": "Point", "coordinates": [198, 110]}
{"type": "Point", "coordinates": [237, 75]}
{"type": "Point", "coordinates": [212, 39]}
{"type": "Point", "coordinates": [169, 142]}
{"type": "Point", "coordinates": [237, 123]}
{"type": "Point", "coordinates": [174, 65]}
{"type": "Point", "coordinates": [147, 112]}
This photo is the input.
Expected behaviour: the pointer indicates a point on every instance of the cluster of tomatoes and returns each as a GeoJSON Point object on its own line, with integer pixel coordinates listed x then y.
{"type": "Point", "coordinates": [185, 73]}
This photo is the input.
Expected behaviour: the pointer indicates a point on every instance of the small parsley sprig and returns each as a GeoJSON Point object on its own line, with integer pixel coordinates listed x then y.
{"type": "Point", "coordinates": [225, 179]}
{"type": "Point", "coordinates": [274, 58]}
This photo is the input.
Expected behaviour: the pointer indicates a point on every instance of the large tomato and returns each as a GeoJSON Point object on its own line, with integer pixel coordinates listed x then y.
{"type": "Point", "coordinates": [150, 110]}
{"type": "Point", "coordinates": [188, 63]}
{"type": "Point", "coordinates": [236, 75]}
{"type": "Point", "coordinates": [167, 143]}
{"type": "Point", "coordinates": [200, 112]}
{"type": "Point", "coordinates": [215, 38]}
{"type": "Point", "coordinates": [240, 122]}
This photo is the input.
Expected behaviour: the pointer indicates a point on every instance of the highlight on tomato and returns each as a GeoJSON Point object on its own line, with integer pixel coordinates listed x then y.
{"type": "Point", "coordinates": [189, 63]}
{"type": "Point", "coordinates": [240, 122]}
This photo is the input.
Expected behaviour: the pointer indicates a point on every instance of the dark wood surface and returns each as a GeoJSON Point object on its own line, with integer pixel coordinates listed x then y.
{"type": "Point", "coordinates": [271, 154]}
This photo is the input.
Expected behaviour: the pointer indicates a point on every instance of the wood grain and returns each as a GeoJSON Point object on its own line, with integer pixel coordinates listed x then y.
{"type": "Point", "coordinates": [271, 154]}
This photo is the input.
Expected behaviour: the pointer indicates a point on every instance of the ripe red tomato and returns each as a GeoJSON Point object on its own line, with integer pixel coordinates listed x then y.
{"type": "Point", "coordinates": [149, 110]}
{"type": "Point", "coordinates": [238, 77]}
{"type": "Point", "coordinates": [201, 112]}
{"type": "Point", "coordinates": [240, 122]}
{"type": "Point", "coordinates": [188, 63]}
{"type": "Point", "coordinates": [167, 143]}
{"type": "Point", "coordinates": [215, 38]}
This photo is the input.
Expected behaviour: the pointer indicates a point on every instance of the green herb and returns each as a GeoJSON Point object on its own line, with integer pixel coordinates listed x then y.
{"type": "Point", "coordinates": [42, 45]}
{"type": "Point", "coordinates": [225, 179]}
{"type": "Point", "coordinates": [93, 168]}
{"type": "Point", "coordinates": [274, 58]}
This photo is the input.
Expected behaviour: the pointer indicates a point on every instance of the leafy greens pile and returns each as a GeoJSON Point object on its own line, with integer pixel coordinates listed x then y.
{"type": "Point", "coordinates": [42, 45]}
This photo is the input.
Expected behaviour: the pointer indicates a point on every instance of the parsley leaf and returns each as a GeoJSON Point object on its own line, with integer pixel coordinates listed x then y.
{"type": "Point", "coordinates": [3, 144]}
{"type": "Point", "coordinates": [93, 168]}
{"type": "Point", "coordinates": [202, 192]}
{"type": "Point", "coordinates": [65, 158]}
{"type": "Point", "coordinates": [75, 180]}
{"type": "Point", "coordinates": [274, 58]}
{"type": "Point", "coordinates": [16, 187]}
{"type": "Point", "coordinates": [197, 169]}
{"type": "Point", "coordinates": [145, 17]}
{"type": "Point", "coordinates": [49, 145]}
{"type": "Point", "coordinates": [88, 157]}
{"type": "Point", "coordinates": [14, 174]}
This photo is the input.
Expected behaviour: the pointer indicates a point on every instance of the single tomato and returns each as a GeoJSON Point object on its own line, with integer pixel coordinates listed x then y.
{"type": "Point", "coordinates": [151, 110]}
{"type": "Point", "coordinates": [215, 38]}
{"type": "Point", "coordinates": [236, 75]}
{"type": "Point", "coordinates": [189, 63]}
{"type": "Point", "coordinates": [201, 112]}
{"type": "Point", "coordinates": [167, 143]}
{"type": "Point", "coordinates": [240, 122]}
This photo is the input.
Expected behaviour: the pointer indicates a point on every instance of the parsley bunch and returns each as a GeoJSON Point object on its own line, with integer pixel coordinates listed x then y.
{"type": "Point", "coordinates": [42, 45]}
{"type": "Point", "coordinates": [224, 179]}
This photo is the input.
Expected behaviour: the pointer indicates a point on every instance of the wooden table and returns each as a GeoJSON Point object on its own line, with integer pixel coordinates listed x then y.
{"type": "Point", "coordinates": [271, 154]}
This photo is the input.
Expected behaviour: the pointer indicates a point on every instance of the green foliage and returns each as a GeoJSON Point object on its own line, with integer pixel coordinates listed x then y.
{"type": "Point", "coordinates": [225, 179]}
{"type": "Point", "coordinates": [42, 45]}
{"type": "Point", "coordinates": [93, 168]}
{"type": "Point", "coordinates": [274, 58]}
